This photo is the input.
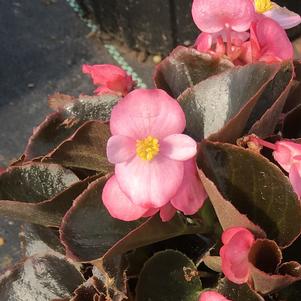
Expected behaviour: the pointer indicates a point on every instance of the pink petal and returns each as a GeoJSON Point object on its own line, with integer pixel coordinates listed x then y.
{"type": "Point", "coordinates": [120, 149]}
{"type": "Point", "coordinates": [109, 76]}
{"type": "Point", "coordinates": [101, 74]}
{"type": "Point", "coordinates": [273, 40]}
{"type": "Point", "coordinates": [151, 212]}
{"type": "Point", "coordinates": [203, 42]}
{"type": "Point", "coordinates": [118, 204]}
{"type": "Point", "coordinates": [229, 233]}
{"type": "Point", "coordinates": [295, 177]}
{"type": "Point", "coordinates": [234, 254]}
{"type": "Point", "coordinates": [167, 212]}
{"type": "Point", "coordinates": [212, 296]}
{"type": "Point", "coordinates": [191, 195]}
{"type": "Point", "coordinates": [150, 184]}
{"type": "Point", "coordinates": [283, 16]}
{"type": "Point", "coordinates": [146, 112]}
{"type": "Point", "coordinates": [214, 15]}
{"type": "Point", "coordinates": [285, 153]}
{"type": "Point", "coordinates": [178, 147]}
{"type": "Point", "coordinates": [104, 90]}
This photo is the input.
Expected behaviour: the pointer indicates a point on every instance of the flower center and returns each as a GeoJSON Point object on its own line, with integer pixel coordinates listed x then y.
{"type": "Point", "coordinates": [263, 6]}
{"type": "Point", "coordinates": [147, 148]}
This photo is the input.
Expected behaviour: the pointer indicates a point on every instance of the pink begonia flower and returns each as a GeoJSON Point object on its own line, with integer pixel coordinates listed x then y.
{"type": "Point", "coordinates": [147, 146]}
{"type": "Point", "coordinates": [110, 78]}
{"type": "Point", "coordinates": [212, 16]}
{"type": "Point", "coordinates": [155, 168]}
{"type": "Point", "coordinates": [283, 16]}
{"type": "Point", "coordinates": [234, 254]}
{"type": "Point", "coordinates": [288, 156]}
{"type": "Point", "coordinates": [212, 296]}
{"type": "Point", "coordinates": [268, 43]}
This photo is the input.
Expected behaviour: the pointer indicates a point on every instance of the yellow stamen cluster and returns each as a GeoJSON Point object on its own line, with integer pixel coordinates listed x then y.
{"type": "Point", "coordinates": [147, 148]}
{"type": "Point", "coordinates": [263, 6]}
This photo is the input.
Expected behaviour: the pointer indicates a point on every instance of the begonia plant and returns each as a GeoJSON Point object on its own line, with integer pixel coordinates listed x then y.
{"type": "Point", "coordinates": [187, 191]}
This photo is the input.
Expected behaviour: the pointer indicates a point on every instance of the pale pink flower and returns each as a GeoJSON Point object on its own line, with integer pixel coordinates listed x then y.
{"type": "Point", "coordinates": [234, 254]}
{"type": "Point", "coordinates": [212, 296]}
{"type": "Point", "coordinates": [212, 16]}
{"type": "Point", "coordinates": [268, 43]}
{"type": "Point", "coordinates": [154, 162]}
{"type": "Point", "coordinates": [283, 16]}
{"type": "Point", "coordinates": [109, 78]}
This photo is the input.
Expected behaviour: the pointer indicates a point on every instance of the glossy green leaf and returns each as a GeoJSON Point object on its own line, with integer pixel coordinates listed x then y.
{"type": "Point", "coordinates": [70, 114]}
{"type": "Point", "coordinates": [167, 276]}
{"type": "Point", "coordinates": [256, 188]}
{"type": "Point", "coordinates": [40, 278]}
{"type": "Point", "coordinates": [219, 100]}
{"type": "Point", "coordinates": [186, 67]}
{"type": "Point", "coordinates": [84, 107]}
{"type": "Point", "coordinates": [35, 182]}
{"type": "Point", "coordinates": [86, 148]}
{"type": "Point", "coordinates": [49, 134]}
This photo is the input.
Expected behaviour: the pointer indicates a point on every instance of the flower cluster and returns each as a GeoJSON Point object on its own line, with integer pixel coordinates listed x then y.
{"type": "Point", "coordinates": [154, 162]}
{"type": "Point", "coordinates": [252, 30]}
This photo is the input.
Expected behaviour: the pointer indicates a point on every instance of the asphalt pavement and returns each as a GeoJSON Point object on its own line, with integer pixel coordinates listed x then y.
{"type": "Point", "coordinates": [43, 45]}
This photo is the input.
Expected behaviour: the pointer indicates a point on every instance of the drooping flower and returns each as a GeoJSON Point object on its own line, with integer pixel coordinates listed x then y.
{"type": "Point", "coordinates": [283, 16]}
{"type": "Point", "coordinates": [268, 43]}
{"type": "Point", "coordinates": [212, 296]}
{"type": "Point", "coordinates": [109, 78]}
{"type": "Point", "coordinates": [234, 254]}
{"type": "Point", "coordinates": [154, 163]}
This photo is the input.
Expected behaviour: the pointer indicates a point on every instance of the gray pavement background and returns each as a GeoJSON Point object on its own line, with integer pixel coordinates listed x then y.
{"type": "Point", "coordinates": [43, 45]}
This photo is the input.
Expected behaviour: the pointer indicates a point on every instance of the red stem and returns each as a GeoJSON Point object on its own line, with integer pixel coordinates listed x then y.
{"type": "Point", "coordinates": [263, 143]}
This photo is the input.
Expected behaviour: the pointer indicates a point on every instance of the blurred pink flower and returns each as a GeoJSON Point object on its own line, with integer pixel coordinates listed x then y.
{"type": "Point", "coordinates": [287, 153]}
{"type": "Point", "coordinates": [212, 16]}
{"type": "Point", "coordinates": [154, 163]}
{"type": "Point", "coordinates": [109, 78]}
{"type": "Point", "coordinates": [212, 296]}
{"type": "Point", "coordinates": [268, 43]}
{"type": "Point", "coordinates": [283, 16]}
{"type": "Point", "coordinates": [234, 254]}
